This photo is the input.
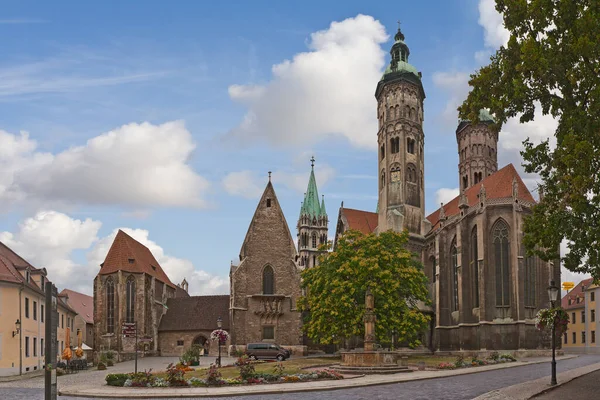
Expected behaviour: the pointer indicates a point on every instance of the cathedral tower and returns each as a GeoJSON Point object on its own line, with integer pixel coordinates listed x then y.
{"type": "Point", "coordinates": [400, 98]}
{"type": "Point", "coordinates": [477, 150]}
{"type": "Point", "coordinates": [312, 223]}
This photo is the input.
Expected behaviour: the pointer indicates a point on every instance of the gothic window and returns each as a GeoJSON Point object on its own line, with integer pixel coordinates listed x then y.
{"type": "Point", "coordinates": [395, 173]}
{"type": "Point", "coordinates": [465, 182]}
{"type": "Point", "coordinates": [268, 280]}
{"type": "Point", "coordinates": [314, 240]}
{"type": "Point", "coordinates": [110, 305]}
{"type": "Point", "coordinates": [530, 281]}
{"type": "Point", "coordinates": [454, 266]}
{"type": "Point", "coordinates": [502, 262]}
{"type": "Point", "coordinates": [395, 144]}
{"type": "Point", "coordinates": [433, 268]}
{"type": "Point", "coordinates": [382, 179]}
{"type": "Point", "coordinates": [412, 189]}
{"type": "Point", "coordinates": [130, 299]}
{"type": "Point", "coordinates": [382, 151]}
{"type": "Point", "coordinates": [410, 145]}
{"type": "Point", "coordinates": [414, 114]}
{"type": "Point", "coordinates": [475, 267]}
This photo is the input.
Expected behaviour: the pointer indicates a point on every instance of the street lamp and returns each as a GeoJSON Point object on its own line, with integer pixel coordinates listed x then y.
{"type": "Point", "coordinates": [553, 295]}
{"type": "Point", "coordinates": [393, 337]}
{"type": "Point", "coordinates": [219, 325]}
{"type": "Point", "coordinates": [17, 328]}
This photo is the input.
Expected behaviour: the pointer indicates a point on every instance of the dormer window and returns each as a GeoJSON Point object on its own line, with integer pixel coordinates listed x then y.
{"type": "Point", "coordinates": [268, 202]}
{"type": "Point", "coordinates": [153, 267]}
{"type": "Point", "coordinates": [131, 260]}
{"type": "Point", "coordinates": [27, 276]}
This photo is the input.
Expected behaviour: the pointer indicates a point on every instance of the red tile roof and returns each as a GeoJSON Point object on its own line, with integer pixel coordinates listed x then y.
{"type": "Point", "coordinates": [498, 185]}
{"type": "Point", "coordinates": [576, 292]}
{"type": "Point", "coordinates": [10, 262]}
{"type": "Point", "coordinates": [195, 313]}
{"type": "Point", "coordinates": [81, 303]}
{"type": "Point", "coordinates": [363, 221]}
{"type": "Point", "coordinates": [127, 254]}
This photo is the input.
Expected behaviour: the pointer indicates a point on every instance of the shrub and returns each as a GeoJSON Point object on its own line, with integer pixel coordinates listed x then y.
{"type": "Point", "coordinates": [213, 376]}
{"type": "Point", "coordinates": [175, 376]}
{"type": "Point", "coordinates": [101, 366]}
{"type": "Point", "coordinates": [110, 355]}
{"type": "Point", "coordinates": [196, 382]}
{"type": "Point", "coordinates": [245, 366]}
{"type": "Point", "coordinates": [494, 356]}
{"type": "Point", "coordinates": [460, 362]}
{"type": "Point", "coordinates": [110, 363]}
{"type": "Point", "coordinates": [142, 379]}
{"type": "Point", "coordinates": [160, 382]}
{"type": "Point", "coordinates": [508, 357]}
{"type": "Point", "coordinates": [116, 379]}
{"type": "Point", "coordinates": [278, 369]}
{"type": "Point", "coordinates": [328, 374]}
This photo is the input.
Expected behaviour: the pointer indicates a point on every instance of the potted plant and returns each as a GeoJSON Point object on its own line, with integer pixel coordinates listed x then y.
{"type": "Point", "coordinates": [547, 317]}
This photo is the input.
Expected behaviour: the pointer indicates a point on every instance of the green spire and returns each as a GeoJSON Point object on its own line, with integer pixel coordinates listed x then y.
{"type": "Point", "coordinates": [311, 206]}
{"type": "Point", "coordinates": [323, 212]}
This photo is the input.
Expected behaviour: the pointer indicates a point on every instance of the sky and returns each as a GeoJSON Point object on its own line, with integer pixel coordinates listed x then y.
{"type": "Point", "coordinates": [164, 118]}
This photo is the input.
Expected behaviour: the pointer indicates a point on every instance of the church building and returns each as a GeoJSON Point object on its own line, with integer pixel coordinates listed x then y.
{"type": "Point", "coordinates": [484, 289]}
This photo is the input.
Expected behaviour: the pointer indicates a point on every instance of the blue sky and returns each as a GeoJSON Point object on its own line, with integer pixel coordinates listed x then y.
{"type": "Point", "coordinates": [137, 115]}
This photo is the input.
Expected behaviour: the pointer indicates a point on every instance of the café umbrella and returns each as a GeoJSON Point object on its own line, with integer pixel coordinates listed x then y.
{"type": "Point", "coordinates": [79, 350]}
{"type": "Point", "coordinates": [67, 352]}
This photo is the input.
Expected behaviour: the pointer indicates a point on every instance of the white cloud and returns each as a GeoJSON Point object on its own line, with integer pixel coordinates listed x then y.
{"type": "Point", "coordinates": [325, 91]}
{"type": "Point", "coordinates": [245, 184]}
{"type": "Point", "coordinates": [298, 181]}
{"type": "Point", "coordinates": [444, 195]}
{"type": "Point", "coordinates": [50, 238]}
{"type": "Point", "coordinates": [135, 165]}
{"type": "Point", "coordinates": [495, 34]}
{"type": "Point", "coordinates": [566, 275]}
{"type": "Point", "coordinates": [456, 86]}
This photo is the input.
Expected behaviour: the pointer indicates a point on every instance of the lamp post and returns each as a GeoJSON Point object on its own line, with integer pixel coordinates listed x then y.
{"type": "Point", "coordinates": [553, 295]}
{"type": "Point", "coordinates": [17, 328]}
{"type": "Point", "coordinates": [219, 325]}
{"type": "Point", "coordinates": [393, 338]}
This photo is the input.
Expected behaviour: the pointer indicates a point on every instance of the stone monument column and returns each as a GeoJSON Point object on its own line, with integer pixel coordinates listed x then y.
{"type": "Point", "coordinates": [369, 319]}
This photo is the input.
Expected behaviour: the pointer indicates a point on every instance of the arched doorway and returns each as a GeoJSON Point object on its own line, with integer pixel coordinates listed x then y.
{"type": "Point", "coordinates": [202, 343]}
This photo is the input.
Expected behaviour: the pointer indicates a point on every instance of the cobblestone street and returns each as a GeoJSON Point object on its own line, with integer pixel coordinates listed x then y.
{"type": "Point", "coordinates": [452, 388]}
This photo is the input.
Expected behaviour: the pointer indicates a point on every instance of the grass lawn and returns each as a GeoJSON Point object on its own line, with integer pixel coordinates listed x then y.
{"type": "Point", "coordinates": [292, 366]}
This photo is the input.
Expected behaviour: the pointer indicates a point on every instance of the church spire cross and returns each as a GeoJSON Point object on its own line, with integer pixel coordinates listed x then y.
{"type": "Point", "coordinates": [269, 176]}
{"type": "Point", "coordinates": [312, 161]}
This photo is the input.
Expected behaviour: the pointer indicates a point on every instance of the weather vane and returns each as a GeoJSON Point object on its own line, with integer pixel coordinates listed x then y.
{"type": "Point", "coordinates": [312, 161]}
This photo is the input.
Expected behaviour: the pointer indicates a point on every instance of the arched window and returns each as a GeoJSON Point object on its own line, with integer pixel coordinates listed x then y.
{"type": "Point", "coordinates": [502, 263]}
{"type": "Point", "coordinates": [433, 268]}
{"type": "Point", "coordinates": [130, 300]}
{"type": "Point", "coordinates": [530, 281]}
{"type": "Point", "coordinates": [382, 151]}
{"type": "Point", "coordinates": [475, 267]}
{"type": "Point", "coordinates": [314, 240]}
{"type": "Point", "coordinates": [395, 175]}
{"type": "Point", "coordinates": [110, 306]}
{"type": "Point", "coordinates": [454, 266]}
{"type": "Point", "coordinates": [268, 280]}
{"type": "Point", "coordinates": [382, 179]}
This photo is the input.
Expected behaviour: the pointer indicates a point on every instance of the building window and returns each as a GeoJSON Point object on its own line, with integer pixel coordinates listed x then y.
{"type": "Point", "coordinates": [130, 299]}
{"type": "Point", "coordinates": [42, 313]}
{"type": "Point", "coordinates": [268, 202]}
{"type": "Point", "coordinates": [593, 315]}
{"type": "Point", "coordinates": [530, 282]}
{"type": "Point", "coordinates": [574, 338]}
{"type": "Point", "coordinates": [42, 350]}
{"type": "Point", "coordinates": [501, 254]}
{"type": "Point", "coordinates": [475, 267]}
{"type": "Point", "coordinates": [382, 151]}
{"type": "Point", "coordinates": [180, 343]}
{"type": "Point", "coordinates": [569, 301]}
{"type": "Point", "coordinates": [573, 319]}
{"type": "Point", "coordinates": [592, 296]}
{"type": "Point", "coordinates": [110, 306]}
{"type": "Point", "coordinates": [314, 240]}
{"type": "Point", "coordinates": [26, 346]}
{"type": "Point", "coordinates": [69, 322]}
{"type": "Point", "coordinates": [593, 336]}
{"type": "Point", "coordinates": [268, 280]}
{"type": "Point", "coordinates": [35, 310]}
{"type": "Point", "coordinates": [582, 337]}
{"type": "Point", "coordinates": [410, 145]}
{"type": "Point", "coordinates": [454, 264]}
{"type": "Point", "coordinates": [26, 307]}
{"type": "Point", "coordinates": [583, 317]}
{"type": "Point", "coordinates": [35, 347]}
{"type": "Point", "coordinates": [62, 321]}
{"type": "Point", "coordinates": [382, 179]}
{"type": "Point", "coordinates": [43, 283]}
{"type": "Point", "coordinates": [465, 182]}
{"type": "Point", "coordinates": [268, 332]}
{"type": "Point", "coordinates": [395, 144]}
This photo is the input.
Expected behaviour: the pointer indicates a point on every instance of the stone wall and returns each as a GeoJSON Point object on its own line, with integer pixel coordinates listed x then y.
{"type": "Point", "coordinates": [167, 343]}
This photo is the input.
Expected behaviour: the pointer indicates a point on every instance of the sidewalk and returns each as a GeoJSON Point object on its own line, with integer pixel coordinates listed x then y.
{"type": "Point", "coordinates": [104, 391]}
{"type": "Point", "coordinates": [527, 390]}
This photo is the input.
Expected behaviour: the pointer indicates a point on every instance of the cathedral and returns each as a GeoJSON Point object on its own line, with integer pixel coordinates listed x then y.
{"type": "Point", "coordinates": [485, 291]}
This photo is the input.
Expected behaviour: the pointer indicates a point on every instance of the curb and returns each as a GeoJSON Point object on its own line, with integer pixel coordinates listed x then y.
{"type": "Point", "coordinates": [159, 393]}
{"type": "Point", "coordinates": [537, 387]}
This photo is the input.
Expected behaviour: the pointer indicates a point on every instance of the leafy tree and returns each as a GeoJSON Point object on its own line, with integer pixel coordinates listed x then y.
{"type": "Point", "coordinates": [552, 62]}
{"type": "Point", "coordinates": [335, 289]}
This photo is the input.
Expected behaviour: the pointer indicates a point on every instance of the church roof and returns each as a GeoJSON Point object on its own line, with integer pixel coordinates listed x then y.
{"type": "Point", "coordinates": [364, 221]}
{"type": "Point", "coordinates": [81, 303]}
{"type": "Point", "coordinates": [195, 313]}
{"type": "Point", "coordinates": [576, 292]}
{"type": "Point", "coordinates": [127, 254]}
{"type": "Point", "coordinates": [497, 186]}
{"type": "Point", "coordinates": [311, 205]}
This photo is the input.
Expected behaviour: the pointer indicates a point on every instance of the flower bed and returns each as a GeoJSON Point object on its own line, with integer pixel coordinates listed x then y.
{"type": "Point", "coordinates": [461, 362]}
{"type": "Point", "coordinates": [175, 377]}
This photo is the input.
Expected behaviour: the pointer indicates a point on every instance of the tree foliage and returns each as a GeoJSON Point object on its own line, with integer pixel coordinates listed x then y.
{"type": "Point", "coordinates": [335, 289]}
{"type": "Point", "coordinates": [552, 62]}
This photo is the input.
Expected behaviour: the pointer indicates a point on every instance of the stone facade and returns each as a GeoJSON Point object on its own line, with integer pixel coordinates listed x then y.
{"type": "Point", "coordinates": [265, 286]}
{"type": "Point", "coordinates": [174, 344]}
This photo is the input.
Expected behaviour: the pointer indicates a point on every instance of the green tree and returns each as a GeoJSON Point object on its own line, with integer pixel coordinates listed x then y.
{"type": "Point", "coordinates": [552, 62]}
{"type": "Point", "coordinates": [335, 289]}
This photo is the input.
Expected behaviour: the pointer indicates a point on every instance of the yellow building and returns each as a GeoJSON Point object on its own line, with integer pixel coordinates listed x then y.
{"type": "Point", "coordinates": [582, 307]}
{"type": "Point", "coordinates": [22, 315]}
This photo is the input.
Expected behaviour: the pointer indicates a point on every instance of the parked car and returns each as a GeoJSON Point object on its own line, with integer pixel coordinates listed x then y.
{"type": "Point", "coordinates": [254, 351]}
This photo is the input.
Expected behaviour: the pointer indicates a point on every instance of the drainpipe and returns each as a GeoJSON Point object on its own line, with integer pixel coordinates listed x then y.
{"type": "Point", "coordinates": [21, 330]}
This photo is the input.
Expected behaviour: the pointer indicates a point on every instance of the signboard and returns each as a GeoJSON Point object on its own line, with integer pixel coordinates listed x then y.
{"type": "Point", "coordinates": [568, 285]}
{"type": "Point", "coordinates": [51, 345]}
{"type": "Point", "coordinates": [129, 329]}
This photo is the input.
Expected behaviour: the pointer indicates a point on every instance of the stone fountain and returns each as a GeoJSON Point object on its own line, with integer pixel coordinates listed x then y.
{"type": "Point", "coordinates": [369, 360]}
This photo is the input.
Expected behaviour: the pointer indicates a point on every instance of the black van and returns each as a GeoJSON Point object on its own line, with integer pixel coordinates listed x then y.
{"type": "Point", "coordinates": [254, 351]}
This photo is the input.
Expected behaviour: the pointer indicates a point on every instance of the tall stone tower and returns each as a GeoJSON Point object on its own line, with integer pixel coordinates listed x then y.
{"type": "Point", "coordinates": [400, 98]}
{"type": "Point", "coordinates": [312, 223]}
{"type": "Point", "coordinates": [477, 150]}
